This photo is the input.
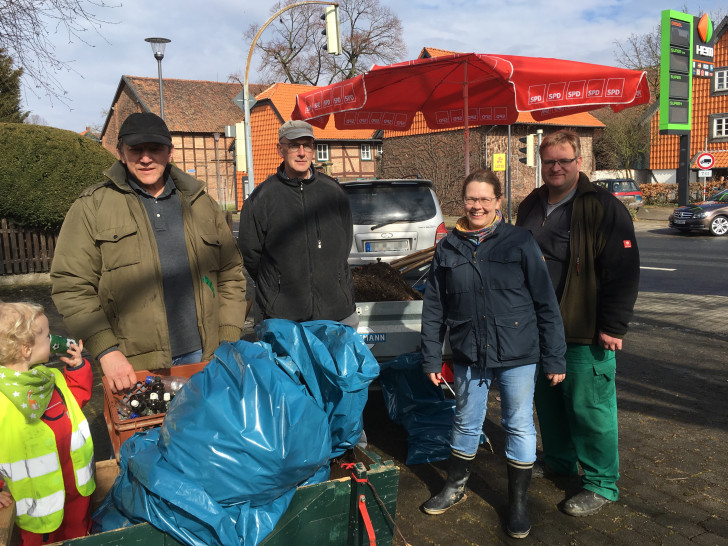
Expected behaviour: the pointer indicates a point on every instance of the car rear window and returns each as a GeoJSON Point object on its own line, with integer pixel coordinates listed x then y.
{"type": "Point", "coordinates": [626, 185]}
{"type": "Point", "coordinates": [375, 204]}
{"type": "Point", "coordinates": [618, 186]}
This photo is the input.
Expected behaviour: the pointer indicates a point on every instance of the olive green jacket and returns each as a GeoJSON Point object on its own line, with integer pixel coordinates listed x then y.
{"type": "Point", "coordinates": [106, 273]}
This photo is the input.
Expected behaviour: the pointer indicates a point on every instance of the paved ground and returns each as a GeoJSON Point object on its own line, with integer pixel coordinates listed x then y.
{"type": "Point", "coordinates": [672, 390]}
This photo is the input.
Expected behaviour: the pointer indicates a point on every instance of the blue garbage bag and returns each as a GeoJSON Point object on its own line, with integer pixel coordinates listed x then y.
{"type": "Point", "coordinates": [335, 363]}
{"type": "Point", "coordinates": [420, 407]}
{"type": "Point", "coordinates": [150, 489]}
{"type": "Point", "coordinates": [239, 437]}
{"type": "Point", "coordinates": [232, 431]}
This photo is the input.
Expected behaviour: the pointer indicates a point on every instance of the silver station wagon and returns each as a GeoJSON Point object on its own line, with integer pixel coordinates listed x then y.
{"type": "Point", "coordinates": [392, 218]}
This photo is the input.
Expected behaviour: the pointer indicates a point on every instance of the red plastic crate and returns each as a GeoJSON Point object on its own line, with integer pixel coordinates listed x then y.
{"type": "Point", "coordinates": [120, 431]}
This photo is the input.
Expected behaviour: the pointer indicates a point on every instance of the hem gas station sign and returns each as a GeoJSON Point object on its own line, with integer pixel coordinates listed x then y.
{"type": "Point", "coordinates": [686, 52]}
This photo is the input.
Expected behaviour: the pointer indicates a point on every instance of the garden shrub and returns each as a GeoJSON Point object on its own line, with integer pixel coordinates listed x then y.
{"type": "Point", "coordinates": [43, 170]}
{"type": "Point", "coordinates": [666, 194]}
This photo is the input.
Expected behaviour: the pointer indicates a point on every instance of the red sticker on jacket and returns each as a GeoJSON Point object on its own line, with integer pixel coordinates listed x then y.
{"type": "Point", "coordinates": [627, 243]}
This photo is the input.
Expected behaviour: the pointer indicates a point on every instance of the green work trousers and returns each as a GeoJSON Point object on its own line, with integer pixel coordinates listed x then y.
{"type": "Point", "coordinates": [578, 419]}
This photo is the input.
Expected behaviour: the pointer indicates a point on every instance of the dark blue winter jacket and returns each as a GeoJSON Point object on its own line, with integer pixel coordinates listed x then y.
{"type": "Point", "coordinates": [498, 302]}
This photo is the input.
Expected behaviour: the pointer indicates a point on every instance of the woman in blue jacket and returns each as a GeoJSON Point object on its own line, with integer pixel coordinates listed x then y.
{"type": "Point", "coordinates": [489, 285]}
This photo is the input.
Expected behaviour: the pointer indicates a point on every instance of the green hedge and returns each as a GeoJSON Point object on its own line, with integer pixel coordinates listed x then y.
{"type": "Point", "coordinates": [42, 171]}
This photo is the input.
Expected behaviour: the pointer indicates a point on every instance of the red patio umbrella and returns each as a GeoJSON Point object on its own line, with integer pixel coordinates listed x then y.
{"type": "Point", "coordinates": [493, 89]}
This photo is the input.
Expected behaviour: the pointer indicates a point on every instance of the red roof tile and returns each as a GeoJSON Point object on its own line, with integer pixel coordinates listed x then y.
{"type": "Point", "coordinates": [191, 106]}
{"type": "Point", "coordinates": [428, 52]}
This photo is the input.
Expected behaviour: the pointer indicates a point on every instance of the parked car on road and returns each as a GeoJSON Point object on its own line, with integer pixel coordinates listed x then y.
{"type": "Point", "coordinates": [624, 189]}
{"type": "Point", "coordinates": [710, 215]}
{"type": "Point", "coordinates": [392, 218]}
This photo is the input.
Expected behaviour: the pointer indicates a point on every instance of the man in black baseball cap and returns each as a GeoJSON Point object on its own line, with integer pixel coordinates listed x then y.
{"type": "Point", "coordinates": [146, 270]}
{"type": "Point", "coordinates": [145, 148]}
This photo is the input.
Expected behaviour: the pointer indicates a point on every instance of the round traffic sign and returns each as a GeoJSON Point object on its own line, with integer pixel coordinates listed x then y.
{"type": "Point", "coordinates": [706, 161]}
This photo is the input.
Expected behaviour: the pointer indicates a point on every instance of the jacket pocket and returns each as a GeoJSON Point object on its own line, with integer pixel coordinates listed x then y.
{"type": "Point", "coordinates": [517, 335]}
{"type": "Point", "coordinates": [505, 270]}
{"type": "Point", "coordinates": [119, 246]}
{"type": "Point", "coordinates": [604, 386]}
{"type": "Point", "coordinates": [459, 286]}
{"type": "Point", "coordinates": [209, 252]}
{"type": "Point", "coordinates": [462, 340]}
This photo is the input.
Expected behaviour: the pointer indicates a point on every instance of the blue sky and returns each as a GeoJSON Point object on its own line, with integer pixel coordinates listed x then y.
{"type": "Point", "coordinates": [207, 40]}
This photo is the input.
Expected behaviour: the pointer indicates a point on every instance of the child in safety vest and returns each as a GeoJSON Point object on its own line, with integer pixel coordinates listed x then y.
{"type": "Point", "coordinates": [46, 452]}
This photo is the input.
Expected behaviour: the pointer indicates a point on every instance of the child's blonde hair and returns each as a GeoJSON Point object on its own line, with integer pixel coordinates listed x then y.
{"type": "Point", "coordinates": [17, 328]}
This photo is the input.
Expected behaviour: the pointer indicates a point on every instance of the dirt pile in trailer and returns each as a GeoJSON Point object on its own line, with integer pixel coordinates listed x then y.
{"type": "Point", "coordinates": [381, 282]}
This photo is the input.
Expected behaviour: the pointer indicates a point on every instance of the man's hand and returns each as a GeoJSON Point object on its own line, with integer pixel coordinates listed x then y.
{"type": "Point", "coordinates": [610, 343]}
{"type": "Point", "coordinates": [118, 371]}
{"type": "Point", "coordinates": [436, 378]}
{"type": "Point", "coordinates": [555, 378]}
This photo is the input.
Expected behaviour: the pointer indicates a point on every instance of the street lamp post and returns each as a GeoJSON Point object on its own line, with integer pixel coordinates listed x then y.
{"type": "Point", "coordinates": [246, 91]}
{"type": "Point", "coordinates": [158, 45]}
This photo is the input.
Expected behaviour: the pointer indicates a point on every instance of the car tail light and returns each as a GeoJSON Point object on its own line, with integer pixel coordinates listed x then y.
{"type": "Point", "coordinates": [441, 232]}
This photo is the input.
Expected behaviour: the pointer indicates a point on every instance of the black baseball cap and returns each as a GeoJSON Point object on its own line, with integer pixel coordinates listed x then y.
{"type": "Point", "coordinates": [144, 127]}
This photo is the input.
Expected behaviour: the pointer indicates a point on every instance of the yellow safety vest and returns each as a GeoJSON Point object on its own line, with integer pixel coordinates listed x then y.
{"type": "Point", "coordinates": [29, 463]}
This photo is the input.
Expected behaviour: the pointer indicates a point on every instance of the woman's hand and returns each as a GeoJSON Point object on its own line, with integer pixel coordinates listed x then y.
{"type": "Point", "coordinates": [555, 378]}
{"type": "Point", "coordinates": [436, 378]}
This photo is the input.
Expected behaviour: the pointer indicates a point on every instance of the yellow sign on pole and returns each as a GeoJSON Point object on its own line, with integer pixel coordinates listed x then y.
{"type": "Point", "coordinates": [499, 162]}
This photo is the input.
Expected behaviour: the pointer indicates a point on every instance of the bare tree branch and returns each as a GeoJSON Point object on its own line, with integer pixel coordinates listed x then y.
{"type": "Point", "coordinates": [26, 27]}
{"type": "Point", "coordinates": [370, 33]}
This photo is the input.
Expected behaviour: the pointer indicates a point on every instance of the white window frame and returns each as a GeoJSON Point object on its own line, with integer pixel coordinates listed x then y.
{"type": "Point", "coordinates": [322, 152]}
{"type": "Point", "coordinates": [720, 127]}
{"type": "Point", "coordinates": [366, 152]}
{"type": "Point", "coordinates": [720, 80]}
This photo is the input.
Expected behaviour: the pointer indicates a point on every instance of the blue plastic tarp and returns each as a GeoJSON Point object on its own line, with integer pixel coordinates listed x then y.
{"type": "Point", "coordinates": [420, 407]}
{"type": "Point", "coordinates": [260, 419]}
{"type": "Point", "coordinates": [335, 364]}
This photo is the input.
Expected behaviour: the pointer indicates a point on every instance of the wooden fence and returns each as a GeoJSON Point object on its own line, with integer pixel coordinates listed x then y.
{"type": "Point", "coordinates": [31, 251]}
{"type": "Point", "coordinates": [25, 251]}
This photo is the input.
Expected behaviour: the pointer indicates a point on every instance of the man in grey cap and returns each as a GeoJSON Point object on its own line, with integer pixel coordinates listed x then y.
{"type": "Point", "coordinates": [296, 232]}
{"type": "Point", "coordinates": [146, 270]}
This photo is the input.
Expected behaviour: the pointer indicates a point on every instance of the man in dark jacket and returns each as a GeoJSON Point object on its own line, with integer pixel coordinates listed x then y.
{"type": "Point", "coordinates": [296, 232]}
{"type": "Point", "coordinates": [587, 238]}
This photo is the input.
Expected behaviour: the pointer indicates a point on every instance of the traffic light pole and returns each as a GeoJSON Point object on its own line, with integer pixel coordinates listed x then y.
{"type": "Point", "coordinates": [246, 89]}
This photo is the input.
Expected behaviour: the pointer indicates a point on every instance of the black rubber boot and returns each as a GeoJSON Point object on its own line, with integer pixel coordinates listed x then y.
{"type": "Point", "coordinates": [519, 478]}
{"type": "Point", "coordinates": [454, 490]}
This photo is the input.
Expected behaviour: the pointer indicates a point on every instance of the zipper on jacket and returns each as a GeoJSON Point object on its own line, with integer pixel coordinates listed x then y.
{"type": "Point", "coordinates": [578, 250]}
{"type": "Point", "coordinates": [310, 258]}
{"type": "Point", "coordinates": [318, 231]}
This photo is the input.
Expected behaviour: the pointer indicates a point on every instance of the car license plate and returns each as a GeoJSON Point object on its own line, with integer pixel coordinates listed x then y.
{"type": "Point", "coordinates": [380, 246]}
{"type": "Point", "coordinates": [679, 221]}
